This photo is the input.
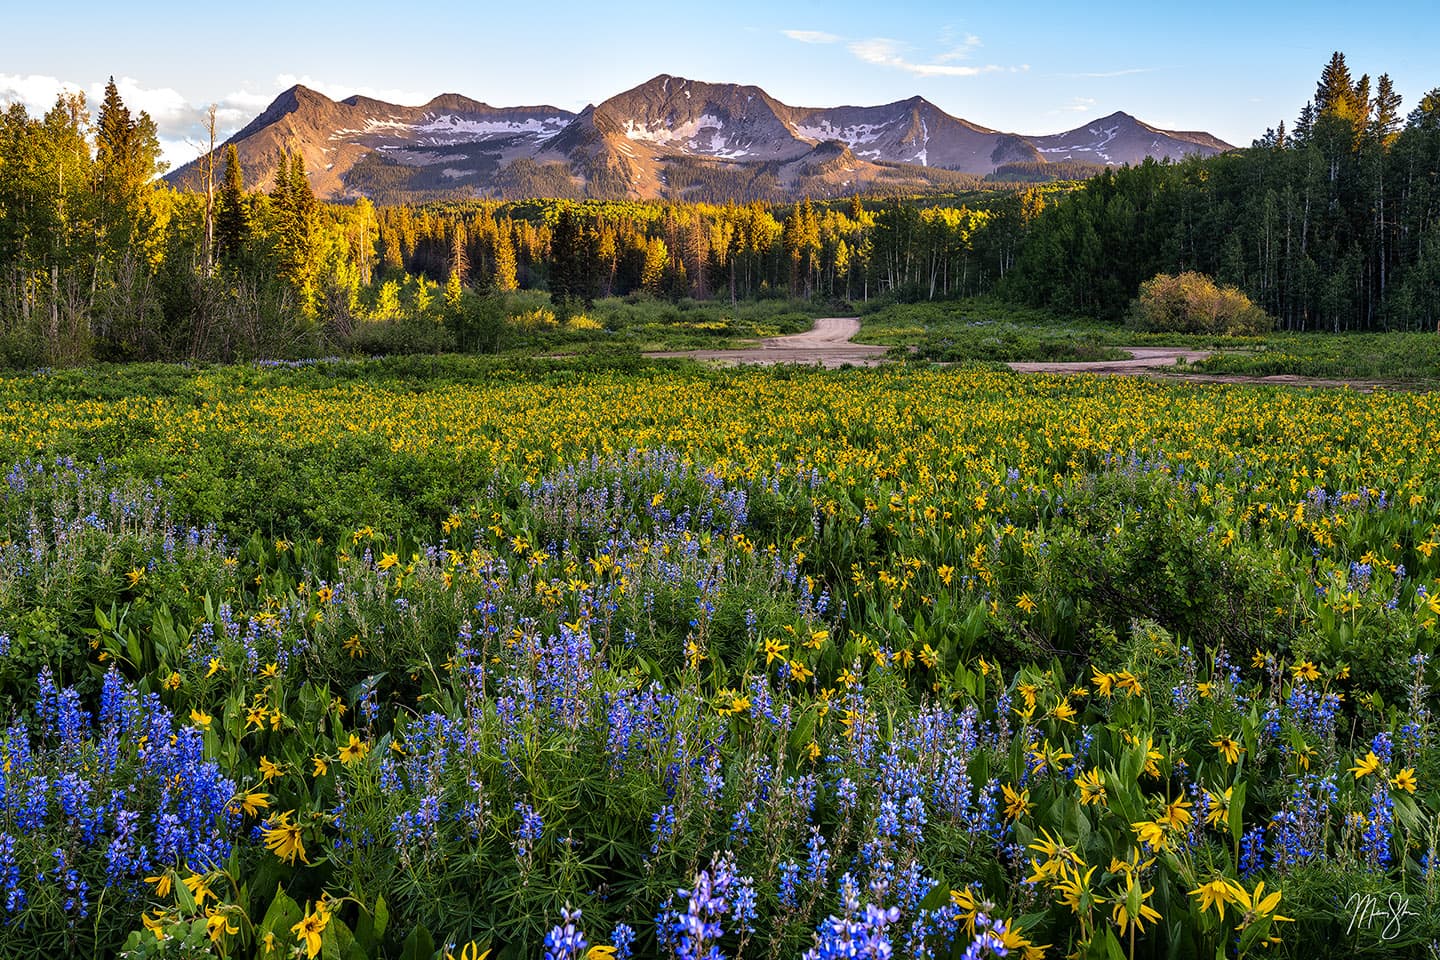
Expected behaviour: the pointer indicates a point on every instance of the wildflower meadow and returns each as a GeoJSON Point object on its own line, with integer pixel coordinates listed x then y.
{"type": "Point", "coordinates": [439, 659]}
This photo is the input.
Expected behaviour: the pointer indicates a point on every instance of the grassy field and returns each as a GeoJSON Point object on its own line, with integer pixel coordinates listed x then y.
{"type": "Point", "coordinates": [535, 325]}
{"type": "Point", "coordinates": [404, 658]}
{"type": "Point", "coordinates": [1409, 357]}
{"type": "Point", "coordinates": [991, 330]}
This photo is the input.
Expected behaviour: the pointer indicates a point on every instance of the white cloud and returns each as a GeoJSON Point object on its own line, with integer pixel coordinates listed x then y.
{"type": "Point", "coordinates": [166, 106]}
{"type": "Point", "coordinates": [1079, 105]}
{"type": "Point", "coordinates": [811, 36]}
{"type": "Point", "coordinates": [179, 120]}
{"type": "Point", "coordinates": [36, 92]}
{"type": "Point", "coordinates": [175, 117]}
{"type": "Point", "coordinates": [961, 50]}
{"type": "Point", "coordinates": [884, 52]}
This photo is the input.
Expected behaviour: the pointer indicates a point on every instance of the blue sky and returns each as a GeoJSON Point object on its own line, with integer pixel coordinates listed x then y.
{"type": "Point", "coordinates": [1230, 68]}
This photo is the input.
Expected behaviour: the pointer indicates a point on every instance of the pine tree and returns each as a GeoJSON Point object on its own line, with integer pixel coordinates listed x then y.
{"type": "Point", "coordinates": [567, 256]}
{"type": "Point", "coordinates": [792, 239]}
{"type": "Point", "coordinates": [842, 268]}
{"type": "Point", "coordinates": [280, 181]}
{"type": "Point", "coordinates": [391, 260]}
{"type": "Point", "coordinates": [459, 256]}
{"type": "Point", "coordinates": [1334, 92]}
{"type": "Point", "coordinates": [656, 258]}
{"type": "Point", "coordinates": [296, 213]}
{"type": "Point", "coordinates": [1426, 115]}
{"type": "Point", "coordinates": [857, 209]}
{"type": "Point", "coordinates": [1385, 119]}
{"type": "Point", "coordinates": [127, 153]}
{"type": "Point", "coordinates": [1305, 124]}
{"type": "Point", "coordinates": [303, 198]}
{"type": "Point", "coordinates": [459, 266]}
{"type": "Point", "coordinates": [232, 210]}
{"type": "Point", "coordinates": [1361, 104]}
{"type": "Point", "coordinates": [1336, 97]}
{"type": "Point", "coordinates": [505, 266]}
{"type": "Point", "coordinates": [696, 254]}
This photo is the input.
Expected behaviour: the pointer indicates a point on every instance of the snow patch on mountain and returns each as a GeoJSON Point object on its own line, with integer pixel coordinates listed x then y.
{"type": "Point", "coordinates": [855, 133]}
{"type": "Point", "coordinates": [704, 135]}
{"type": "Point", "coordinates": [476, 129]}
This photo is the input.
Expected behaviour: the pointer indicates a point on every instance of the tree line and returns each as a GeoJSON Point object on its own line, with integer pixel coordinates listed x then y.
{"type": "Point", "coordinates": [101, 260]}
{"type": "Point", "coordinates": [583, 250]}
{"type": "Point", "coordinates": [1333, 224]}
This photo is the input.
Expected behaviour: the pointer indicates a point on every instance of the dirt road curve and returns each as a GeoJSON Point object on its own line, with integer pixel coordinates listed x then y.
{"type": "Point", "coordinates": [1160, 362]}
{"type": "Point", "coordinates": [1142, 359]}
{"type": "Point", "coordinates": [827, 343]}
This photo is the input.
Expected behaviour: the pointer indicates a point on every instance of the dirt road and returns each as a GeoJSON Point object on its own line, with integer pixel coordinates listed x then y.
{"type": "Point", "coordinates": [1160, 362]}
{"type": "Point", "coordinates": [1142, 360]}
{"type": "Point", "coordinates": [827, 343]}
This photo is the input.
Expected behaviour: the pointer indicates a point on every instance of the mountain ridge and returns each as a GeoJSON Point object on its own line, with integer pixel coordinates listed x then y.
{"type": "Point", "coordinates": [669, 137]}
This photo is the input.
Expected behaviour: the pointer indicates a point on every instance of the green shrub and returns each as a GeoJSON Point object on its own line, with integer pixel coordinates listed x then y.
{"type": "Point", "coordinates": [1192, 303]}
{"type": "Point", "coordinates": [408, 334]}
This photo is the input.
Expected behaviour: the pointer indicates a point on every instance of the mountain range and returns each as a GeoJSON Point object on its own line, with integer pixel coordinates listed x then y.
{"type": "Point", "coordinates": [667, 138]}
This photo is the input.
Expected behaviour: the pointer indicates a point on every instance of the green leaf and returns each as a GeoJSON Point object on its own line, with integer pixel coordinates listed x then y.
{"type": "Point", "coordinates": [1113, 950]}
{"type": "Point", "coordinates": [804, 732]}
{"type": "Point", "coordinates": [1237, 811]}
{"type": "Point", "coordinates": [183, 899]}
{"type": "Point", "coordinates": [282, 914]}
{"type": "Point", "coordinates": [337, 942]}
{"type": "Point", "coordinates": [938, 896]}
{"type": "Point", "coordinates": [418, 946]}
{"type": "Point", "coordinates": [382, 917]}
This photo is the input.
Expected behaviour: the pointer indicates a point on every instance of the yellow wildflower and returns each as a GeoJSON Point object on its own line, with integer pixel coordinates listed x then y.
{"type": "Point", "coordinates": [1143, 913]}
{"type": "Point", "coordinates": [219, 924]}
{"type": "Point", "coordinates": [1104, 682]}
{"type": "Point", "coordinates": [311, 929]}
{"type": "Point", "coordinates": [1215, 894]}
{"type": "Point", "coordinates": [282, 837]}
{"type": "Point", "coordinates": [1367, 766]}
{"type": "Point", "coordinates": [1177, 813]}
{"type": "Point", "coordinates": [1219, 813]}
{"type": "Point", "coordinates": [1152, 832]}
{"type": "Point", "coordinates": [253, 801]}
{"type": "Point", "coordinates": [157, 925]}
{"type": "Point", "coordinates": [1016, 804]}
{"type": "Point", "coordinates": [162, 883]}
{"type": "Point", "coordinates": [1229, 748]}
{"type": "Point", "coordinates": [354, 751]}
{"type": "Point", "coordinates": [1092, 787]}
